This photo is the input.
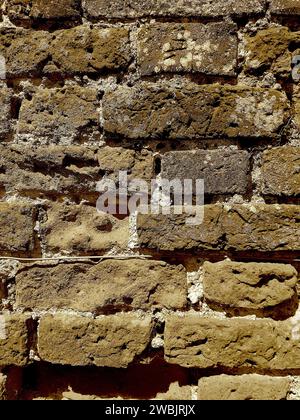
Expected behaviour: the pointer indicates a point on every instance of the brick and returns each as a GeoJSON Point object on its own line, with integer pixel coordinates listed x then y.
{"type": "Point", "coordinates": [177, 8]}
{"type": "Point", "coordinates": [64, 52]}
{"type": "Point", "coordinates": [80, 229]}
{"type": "Point", "coordinates": [239, 227]}
{"type": "Point", "coordinates": [6, 112]}
{"type": "Point", "coordinates": [188, 47]}
{"type": "Point", "coordinates": [14, 340]}
{"type": "Point", "coordinates": [280, 169]}
{"type": "Point", "coordinates": [137, 284]}
{"type": "Point", "coordinates": [252, 286]}
{"type": "Point", "coordinates": [110, 341]}
{"type": "Point", "coordinates": [3, 393]}
{"type": "Point", "coordinates": [223, 171]}
{"type": "Point", "coordinates": [156, 110]}
{"type": "Point", "coordinates": [17, 223]}
{"type": "Point", "coordinates": [285, 7]}
{"type": "Point", "coordinates": [269, 50]}
{"type": "Point", "coordinates": [243, 387]}
{"type": "Point", "coordinates": [39, 9]}
{"type": "Point", "coordinates": [52, 170]}
{"type": "Point", "coordinates": [138, 164]}
{"type": "Point", "coordinates": [193, 341]}
{"type": "Point", "coordinates": [176, 392]}
{"type": "Point", "coordinates": [65, 114]}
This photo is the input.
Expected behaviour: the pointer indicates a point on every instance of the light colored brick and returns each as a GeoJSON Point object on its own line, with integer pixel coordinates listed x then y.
{"type": "Point", "coordinates": [108, 285]}
{"type": "Point", "coordinates": [244, 387]}
{"type": "Point", "coordinates": [14, 348]}
{"type": "Point", "coordinates": [111, 341]}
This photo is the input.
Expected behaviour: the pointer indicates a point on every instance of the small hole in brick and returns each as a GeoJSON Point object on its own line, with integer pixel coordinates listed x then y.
{"type": "Point", "coordinates": [157, 165]}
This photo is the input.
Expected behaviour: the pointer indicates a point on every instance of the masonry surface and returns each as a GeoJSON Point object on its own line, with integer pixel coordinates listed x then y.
{"type": "Point", "coordinates": [174, 89]}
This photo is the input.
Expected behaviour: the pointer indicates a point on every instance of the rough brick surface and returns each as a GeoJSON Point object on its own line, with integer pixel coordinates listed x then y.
{"type": "Point", "coordinates": [50, 170]}
{"type": "Point", "coordinates": [25, 9]}
{"type": "Point", "coordinates": [81, 230]}
{"type": "Point", "coordinates": [17, 223]}
{"type": "Point", "coordinates": [203, 8]}
{"type": "Point", "coordinates": [64, 52]}
{"type": "Point", "coordinates": [109, 285]}
{"type": "Point", "coordinates": [281, 171]}
{"type": "Point", "coordinates": [190, 47]}
{"type": "Point", "coordinates": [150, 110]}
{"type": "Point", "coordinates": [6, 114]}
{"type": "Point", "coordinates": [232, 343]}
{"type": "Point", "coordinates": [250, 286]}
{"type": "Point", "coordinates": [238, 227]}
{"type": "Point", "coordinates": [59, 114]}
{"type": "Point", "coordinates": [13, 340]}
{"type": "Point", "coordinates": [110, 341]}
{"type": "Point", "coordinates": [223, 171]}
{"type": "Point", "coordinates": [244, 387]}
{"type": "Point", "coordinates": [285, 7]}
{"type": "Point", "coordinates": [3, 394]}
{"type": "Point", "coordinates": [270, 49]}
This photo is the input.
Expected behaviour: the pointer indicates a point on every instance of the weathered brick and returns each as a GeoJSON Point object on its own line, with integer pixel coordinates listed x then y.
{"type": "Point", "coordinates": [239, 227]}
{"type": "Point", "coordinates": [137, 284]}
{"type": "Point", "coordinates": [188, 47]}
{"type": "Point", "coordinates": [177, 8]}
{"type": "Point", "coordinates": [138, 164]}
{"type": "Point", "coordinates": [80, 229]}
{"type": "Point", "coordinates": [51, 170]}
{"type": "Point", "coordinates": [112, 341]}
{"type": "Point", "coordinates": [156, 110]}
{"type": "Point", "coordinates": [176, 392]}
{"type": "Point", "coordinates": [269, 50]}
{"type": "Point", "coordinates": [285, 7]}
{"type": "Point", "coordinates": [251, 286]}
{"type": "Point", "coordinates": [40, 9]}
{"type": "Point", "coordinates": [3, 393]}
{"type": "Point", "coordinates": [281, 171]}
{"type": "Point", "coordinates": [223, 171]}
{"type": "Point", "coordinates": [59, 114]}
{"type": "Point", "coordinates": [13, 340]}
{"type": "Point", "coordinates": [6, 111]}
{"type": "Point", "coordinates": [244, 387]}
{"type": "Point", "coordinates": [64, 52]}
{"type": "Point", "coordinates": [193, 341]}
{"type": "Point", "coordinates": [17, 223]}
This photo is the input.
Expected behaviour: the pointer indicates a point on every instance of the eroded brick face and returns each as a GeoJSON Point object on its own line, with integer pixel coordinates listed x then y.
{"type": "Point", "coordinates": [99, 301]}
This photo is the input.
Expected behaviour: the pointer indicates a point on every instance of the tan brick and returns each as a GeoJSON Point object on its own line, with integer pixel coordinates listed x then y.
{"type": "Point", "coordinates": [52, 170]}
{"type": "Point", "coordinates": [281, 171]}
{"type": "Point", "coordinates": [156, 110]}
{"type": "Point", "coordinates": [251, 286]}
{"type": "Point", "coordinates": [59, 114]}
{"type": "Point", "coordinates": [40, 9]}
{"type": "Point", "coordinates": [80, 229]}
{"type": "Point", "coordinates": [17, 223]}
{"type": "Point", "coordinates": [6, 112]}
{"type": "Point", "coordinates": [236, 227]}
{"type": "Point", "coordinates": [112, 341]}
{"type": "Point", "coordinates": [108, 285]}
{"type": "Point", "coordinates": [188, 47]}
{"type": "Point", "coordinates": [177, 8]}
{"type": "Point", "coordinates": [244, 387]}
{"type": "Point", "coordinates": [268, 50]}
{"type": "Point", "coordinates": [3, 393]}
{"type": "Point", "coordinates": [223, 171]}
{"type": "Point", "coordinates": [64, 52]}
{"type": "Point", "coordinates": [285, 7]}
{"type": "Point", "coordinates": [193, 341]}
{"type": "Point", "coordinates": [138, 164]}
{"type": "Point", "coordinates": [14, 340]}
{"type": "Point", "coordinates": [176, 392]}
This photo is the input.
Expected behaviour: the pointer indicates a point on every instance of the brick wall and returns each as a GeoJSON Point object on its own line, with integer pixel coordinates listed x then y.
{"type": "Point", "coordinates": [172, 89]}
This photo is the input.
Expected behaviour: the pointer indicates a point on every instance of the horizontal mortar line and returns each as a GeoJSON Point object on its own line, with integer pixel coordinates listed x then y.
{"type": "Point", "coordinates": [112, 257]}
